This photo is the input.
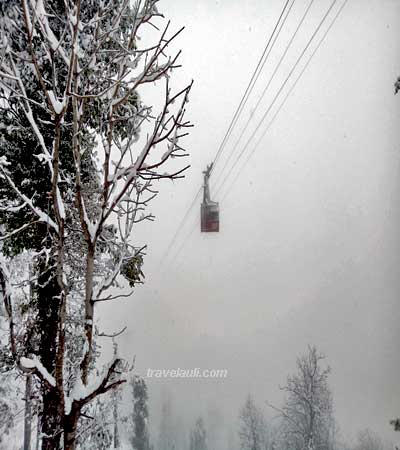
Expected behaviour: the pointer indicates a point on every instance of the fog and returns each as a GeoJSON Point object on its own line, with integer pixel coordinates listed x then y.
{"type": "Point", "coordinates": [308, 249]}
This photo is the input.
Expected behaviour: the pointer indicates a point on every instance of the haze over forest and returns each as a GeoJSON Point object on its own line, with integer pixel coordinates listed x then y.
{"type": "Point", "coordinates": [308, 250]}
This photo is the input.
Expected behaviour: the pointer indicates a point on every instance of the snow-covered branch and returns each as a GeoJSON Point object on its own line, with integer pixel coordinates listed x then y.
{"type": "Point", "coordinates": [83, 394]}
{"type": "Point", "coordinates": [33, 365]}
{"type": "Point", "coordinates": [41, 215]}
{"type": "Point", "coordinates": [72, 76]}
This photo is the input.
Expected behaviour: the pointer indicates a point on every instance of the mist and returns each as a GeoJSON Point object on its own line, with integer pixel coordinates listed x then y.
{"type": "Point", "coordinates": [308, 248]}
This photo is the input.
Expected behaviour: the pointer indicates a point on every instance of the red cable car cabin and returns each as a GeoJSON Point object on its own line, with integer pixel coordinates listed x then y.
{"type": "Point", "coordinates": [209, 210]}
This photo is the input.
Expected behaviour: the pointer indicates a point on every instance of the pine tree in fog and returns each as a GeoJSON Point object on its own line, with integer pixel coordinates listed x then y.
{"type": "Point", "coordinates": [140, 415]}
{"type": "Point", "coordinates": [253, 429]}
{"type": "Point", "coordinates": [198, 436]}
{"type": "Point", "coordinates": [166, 437]}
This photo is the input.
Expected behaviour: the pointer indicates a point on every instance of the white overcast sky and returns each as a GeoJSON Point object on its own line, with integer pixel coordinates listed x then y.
{"type": "Point", "coordinates": [309, 245]}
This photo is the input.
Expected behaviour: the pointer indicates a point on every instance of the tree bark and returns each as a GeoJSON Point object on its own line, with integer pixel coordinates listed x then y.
{"type": "Point", "coordinates": [51, 420]}
{"type": "Point", "coordinates": [47, 292]}
{"type": "Point", "coordinates": [70, 427]}
{"type": "Point", "coordinates": [37, 433]}
{"type": "Point", "coordinates": [116, 432]}
{"type": "Point", "coordinates": [89, 312]}
{"type": "Point", "coordinates": [28, 413]}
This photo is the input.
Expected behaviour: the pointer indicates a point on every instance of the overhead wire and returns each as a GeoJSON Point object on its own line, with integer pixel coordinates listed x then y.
{"type": "Point", "coordinates": [254, 77]}
{"type": "Point", "coordinates": [287, 95]}
{"type": "Point", "coordinates": [181, 223]}
{"type": "Point", "coordinates": [231, 153]}
{"type": "Point", "coordinates": [187, 236]}
{"type": "Point", "coordinates": [249, 88]}
{"type": "Point", "coordinates": [276, 113]}
{"type": "Point", "coordinates": [278, 93]}
{"type": "Point", "coordinates": [229, 172]}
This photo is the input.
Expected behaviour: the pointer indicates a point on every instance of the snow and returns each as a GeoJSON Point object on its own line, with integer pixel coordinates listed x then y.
{"type": "Point", "coordinates": [92, 228]}
{"type": "Point", "coordinates": [6, 273]}
{"type": "Point", "coordinates": [3, 161]}
{"type": "Point", "coordinates": [42, 216]}
{"type": "Point", "coordinates": [57, 105]}
{"type": "Point", "coordinates": [60, 205]}
{"type": "Point", "coordinates": [39, 135]}
{"type": "Point", "coordinates": [77, 50]}
{"type": "Point", "coordinates": [73, 19]}
{"type": "Point", "coordinates": [27, 363]}
{"type": "Point", "coordinates": [34, 363]}
{"type": "Point", "coordinates": [43, 157]}
{"type": "Point", "coordinates": [167, 154]}
{"type": "Point", "coordinates": [14, 209]}
{"type": "Point", "coordinates": [42, 14]}
{"type": "Point", "coordinates": [80, 391]}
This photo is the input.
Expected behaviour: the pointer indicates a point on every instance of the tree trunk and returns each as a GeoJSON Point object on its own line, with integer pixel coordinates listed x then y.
{"type": "Point", "coordinates": [47, 292]}
{"type": "Point", "coordinates": [38, 432]}
{"type": "Point", "coordinates": [28, 413]}
{"type": "Point", "coordinates": [116, 432]}
{"type": "Point", "coordinates": [89, 311]}
{"type": "Point", "coordinates": [70, 426]}
{"type": "Point", "coordinates": [51, 420]}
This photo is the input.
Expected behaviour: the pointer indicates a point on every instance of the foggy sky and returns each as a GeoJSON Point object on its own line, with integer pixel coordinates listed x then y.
{"type": "Point", "coordinates": [308, 251]}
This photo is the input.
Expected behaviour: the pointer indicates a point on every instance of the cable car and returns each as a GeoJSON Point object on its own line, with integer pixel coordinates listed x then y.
{"type": "Point", "coordinates": [209, 210]}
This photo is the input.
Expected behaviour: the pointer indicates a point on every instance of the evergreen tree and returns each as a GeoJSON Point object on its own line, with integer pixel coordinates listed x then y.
{"type": "Point", "coordinates": [198, 436]}
{"type": "Point", "coordinates": [33, 179]}
{"type": "Point", "coordinates": [167, 437]}
{"type": "Point", "coordinates": [96, 426]}
{"type": "Point", "coordinates": [70, 72]}
{"type": "Point", "coordinates": [397, 85]}
{"type": "Point", "coordinates": [140, 414]}
{"type": "Point", "coordinates": [253, 429]}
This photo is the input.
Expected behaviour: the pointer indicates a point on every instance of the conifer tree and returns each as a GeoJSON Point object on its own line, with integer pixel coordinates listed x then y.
{"type": "Point", "coordinates": [253, 429]}
{"type": "Point", "coordinates": [140, 414]}
{"type": "Point", "coordinates": [198, 436]}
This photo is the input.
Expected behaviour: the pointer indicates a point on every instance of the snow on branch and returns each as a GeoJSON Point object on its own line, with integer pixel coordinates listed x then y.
{"type": "Point", "coordinates": [17, 230]}
{"type": "Point", "coordinates": [165, 126]}
{"type": "Point", "coordinates": [82, 394]}
{"type": "Point", "coordinates": [34, 365]}
{"type": "Point", "coordinates": [72, 75]}
{"type": "Point", "coordinates": [41, 215]}
{"type": "Point", "coordinates": [6, 291]}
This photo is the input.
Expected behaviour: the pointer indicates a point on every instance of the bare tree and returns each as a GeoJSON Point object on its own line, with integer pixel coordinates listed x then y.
{"type": "Point", "coordinates": [253, 429]}
{"type": "Point", "coordinates": [99, 151]}
{"type": "Point", "coordinates": [307, 417]}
